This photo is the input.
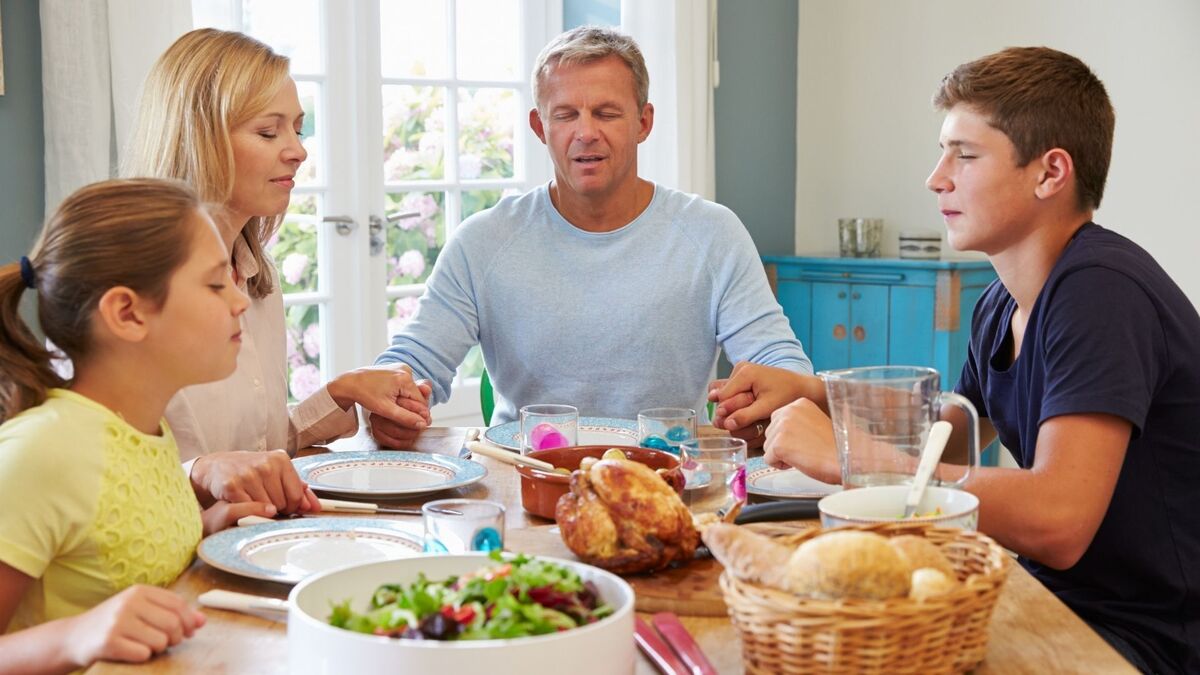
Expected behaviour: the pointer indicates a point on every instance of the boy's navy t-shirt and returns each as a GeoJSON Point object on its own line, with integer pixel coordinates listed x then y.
{"type": "Point", "coordinates": [1111, 333]}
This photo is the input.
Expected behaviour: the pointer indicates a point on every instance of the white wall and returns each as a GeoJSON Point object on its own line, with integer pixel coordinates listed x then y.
{"type": "Point", "coordinates": [867, 134]}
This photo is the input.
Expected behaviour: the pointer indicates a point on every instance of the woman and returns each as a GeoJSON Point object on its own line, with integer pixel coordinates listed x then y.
{"type": "Point", "coordinates": [220, 112]}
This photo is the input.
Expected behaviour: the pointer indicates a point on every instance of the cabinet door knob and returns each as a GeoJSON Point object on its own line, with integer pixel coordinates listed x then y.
{"type": "Point", "coordinates": [860, 333]}
{"type": "Point", "coordinates": [856, 296]}
{"type": "Point", "coordinates": [839, 332]}
{"type": "Point", "coordinates": [841, 295]}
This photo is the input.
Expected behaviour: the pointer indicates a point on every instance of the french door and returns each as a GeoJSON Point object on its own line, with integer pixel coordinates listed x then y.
{"type": "Point", "coordinates": [416, 117]}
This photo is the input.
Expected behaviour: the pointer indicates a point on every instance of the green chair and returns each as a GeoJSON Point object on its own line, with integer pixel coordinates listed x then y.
{"type": "Point", "coordinates": [487, 398]}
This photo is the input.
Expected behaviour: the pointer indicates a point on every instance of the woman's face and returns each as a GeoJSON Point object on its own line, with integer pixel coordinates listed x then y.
{"type": "Point", "coordinates": [266, 155]}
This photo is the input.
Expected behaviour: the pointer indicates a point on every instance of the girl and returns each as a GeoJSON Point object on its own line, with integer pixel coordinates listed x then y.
{"type": "Point", "coordinates": [220, 112]}
{"type": "Point", "coordinates": [132, 283]}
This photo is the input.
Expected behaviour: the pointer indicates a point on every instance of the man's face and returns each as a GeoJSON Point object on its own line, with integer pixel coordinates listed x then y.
{"type": "Point", "coordinates": [987, 201]}
{"type": "Point", "coordinates": [592, 127]}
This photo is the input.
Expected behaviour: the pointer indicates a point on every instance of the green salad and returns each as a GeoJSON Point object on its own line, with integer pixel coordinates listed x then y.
{"type": "Point", "coordinates": [518, 597]}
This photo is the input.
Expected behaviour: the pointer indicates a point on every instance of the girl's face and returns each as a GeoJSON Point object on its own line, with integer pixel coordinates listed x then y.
{"type": "Point", "coordinates": [196, 334]}
{"type": "Point", "coordinates": [266, 155]}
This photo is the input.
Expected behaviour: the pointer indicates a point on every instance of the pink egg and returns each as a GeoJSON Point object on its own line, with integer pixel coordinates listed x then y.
{"type": "Point", "coordinates": [546, 437]}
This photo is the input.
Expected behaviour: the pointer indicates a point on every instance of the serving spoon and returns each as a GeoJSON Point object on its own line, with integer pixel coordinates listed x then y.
{"type": "Point", "coordinates": [935, 444]}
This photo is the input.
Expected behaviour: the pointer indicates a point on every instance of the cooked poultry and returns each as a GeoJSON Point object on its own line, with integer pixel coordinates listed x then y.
{"type": "Point", "coordinates": [624, 517]}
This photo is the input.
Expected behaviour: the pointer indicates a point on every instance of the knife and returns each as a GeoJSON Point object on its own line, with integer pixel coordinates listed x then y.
{"type": "Point", "coordinates": [340, 505]}
{"type": "Point", "coordinates": [684, 645]}
{"type": "Point", "coordinates": [792, 509]}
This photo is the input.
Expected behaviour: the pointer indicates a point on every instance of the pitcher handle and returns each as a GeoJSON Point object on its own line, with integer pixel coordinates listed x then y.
{"type": "Point", "coordinates": [960, 401]}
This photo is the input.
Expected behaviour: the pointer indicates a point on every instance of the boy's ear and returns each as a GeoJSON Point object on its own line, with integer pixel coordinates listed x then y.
{"type": "Point", "coordinates": [123, 313]}
{"type": "Point", "coordinates": [1056, 174]}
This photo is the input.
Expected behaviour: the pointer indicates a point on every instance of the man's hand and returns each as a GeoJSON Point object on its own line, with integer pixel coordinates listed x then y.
{"type": "Point", "coordinates": [381, 390]}
{"type": "Point", "coordinates": [754, 391]}
{"type": "Point", "coordinates": [243, 476]}
{"type": "Point", "coordinates": [398, 435]}
{"type": "Point", "coordinates": [801, 436]}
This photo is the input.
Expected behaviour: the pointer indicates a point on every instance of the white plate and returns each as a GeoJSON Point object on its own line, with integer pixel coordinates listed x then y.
{"type": "Point", "coordinates": [767, 481]}
{"type": "Point", "coordinates": [290, 550]}
{"type": "Point", "coordinates": [591, 431]}
{"type": "Point", "coordinates": [385, 473]}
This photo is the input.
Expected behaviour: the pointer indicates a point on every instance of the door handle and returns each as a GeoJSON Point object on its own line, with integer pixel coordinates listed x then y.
{"type": "Point", "coordinates": [856, 296]}
{"type": "Point", "coordinates": [343, 224]}
{"type": "Point", "coordinates": [841, 295]}
{"type": "Point", "coordinates": [860, 333]}
{"type": "Point", "coordinates": [839, 332]}
{"type": "Point", "coordinates": [376, 227]}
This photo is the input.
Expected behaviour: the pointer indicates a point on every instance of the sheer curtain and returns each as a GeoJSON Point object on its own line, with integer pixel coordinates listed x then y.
{"type": "Point", "coordinates": [678, 39]}
{"type": "Point", "coordinates": [95, 54]}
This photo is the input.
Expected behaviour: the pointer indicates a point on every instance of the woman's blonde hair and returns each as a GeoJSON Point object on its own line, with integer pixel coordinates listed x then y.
{"type": "Point", "coordinates": [131, 233]}
{"type": "Point", "coordinates": [204, 85]}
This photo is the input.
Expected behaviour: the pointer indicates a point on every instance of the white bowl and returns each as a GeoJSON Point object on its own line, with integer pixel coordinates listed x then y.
{"type": "Point", "coordinates": [315, 647]}
{"type": "Point", "coordinates": [885, 504]}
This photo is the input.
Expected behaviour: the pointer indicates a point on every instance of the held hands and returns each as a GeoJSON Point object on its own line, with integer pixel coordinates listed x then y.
{"type": "Point", "coordinates": [387, 391]}
{"type": "Point", "coordinates": [754, 391]}
{"type": "Point", "coordinates": [801, 436]}
{"type": "Point", "coordinates": [246, 476]}
{"type": "Point", "coordinates": [389, 433]}
{"type": "Point", "coordinates": [133, 625]}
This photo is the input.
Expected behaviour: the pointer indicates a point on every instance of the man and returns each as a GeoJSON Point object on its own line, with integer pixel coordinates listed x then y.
{"type": "Point", "coordinates": [1084, 359]}
{"type": "Point", "coordinates": [601, 289]}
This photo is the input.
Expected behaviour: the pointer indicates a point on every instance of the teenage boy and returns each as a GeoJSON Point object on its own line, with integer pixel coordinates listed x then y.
{"type": "Point", "coordinates": [1084, 359]}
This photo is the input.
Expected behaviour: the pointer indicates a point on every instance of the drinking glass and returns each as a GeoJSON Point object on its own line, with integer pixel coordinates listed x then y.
{"type": "Point", "coordinates": [545, 426]}
{"type": "Point", "coordinates": [714, 468]}
{"type": "Point", "coordinates": [665, 428]}
{"type": "Point", "coordinates": [463, 525]}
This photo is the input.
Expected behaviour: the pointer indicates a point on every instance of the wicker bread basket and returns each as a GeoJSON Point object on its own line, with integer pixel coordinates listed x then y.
{"type": "Point", "coordinates": [783, 633]}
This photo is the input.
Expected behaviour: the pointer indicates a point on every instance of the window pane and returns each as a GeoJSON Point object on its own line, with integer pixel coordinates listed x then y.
{"type": "Point", "coordinates": [412, 38]}
{"type": "Point", "coordinates": [414, 243]}
{"type": "Point", "coordinates": [485, 139]}
{"type": "Point", "coordinates": [294, 246]}
{"type": "Point", "coordinates": [310, 101]}
{"type": "Point", "coordinates": [400, 311]}
{"type": "Point", "coordinates": [487, 39]}
{"type": "Point", "coordinates": [290, 27]}
{"type": "Point", "coordinates": [474, 201]}
{"type": "Point", "coordinates": [304, 337]}
{"type": "Point", "coordinates": [414, 128]}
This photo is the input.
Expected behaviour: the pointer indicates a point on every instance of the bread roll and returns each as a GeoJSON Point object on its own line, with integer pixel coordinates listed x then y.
{"type": "Point", "coordinates": [919, 552]}
{"type": "Point", "coordinates": [928, 583]}
{"type": "Point", "coordinates": [842, 565]}
{"type": "Point", "coordinates": [746, 555]}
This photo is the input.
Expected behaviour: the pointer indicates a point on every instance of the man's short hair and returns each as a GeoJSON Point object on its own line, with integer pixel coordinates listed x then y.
{"type": "Point", "coordinates": [590, 43]}
{"type": "Point", "coordinates": [1041, 99]}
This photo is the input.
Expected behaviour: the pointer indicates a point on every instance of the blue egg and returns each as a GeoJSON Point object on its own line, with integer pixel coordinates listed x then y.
{"type": "Point", "coordinates": [656, 443]}
{"type": "Point", "coordinates": [678, 433]}
{"type": "Point", "coordinates": [486, 539]}
{"type": "Point", "coordinates": [432, 545]}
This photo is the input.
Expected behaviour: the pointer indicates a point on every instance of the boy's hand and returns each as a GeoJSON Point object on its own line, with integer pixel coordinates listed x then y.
{"type": "Point", "coordinates": [754, 391]}
{"type": "Point", "coordinates": [801, 436]}
{"type": "Point", "coordinates": [133, 625]}
{"type": "Point", "coordinates": [399, 435]}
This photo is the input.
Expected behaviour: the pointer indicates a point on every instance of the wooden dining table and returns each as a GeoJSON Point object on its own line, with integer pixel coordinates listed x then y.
{"type": "Point", "coordinates": [1031, 630]}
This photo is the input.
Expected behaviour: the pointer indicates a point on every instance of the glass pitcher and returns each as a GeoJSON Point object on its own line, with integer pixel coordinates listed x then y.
{"type": "Point", "coordinates": [881, 419]}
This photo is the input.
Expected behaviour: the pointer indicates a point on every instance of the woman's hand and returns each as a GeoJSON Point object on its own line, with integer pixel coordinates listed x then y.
{"type": "Point", "coordinates": [247, 476]}
{"type": "Point", "coordinates": [133, 625]}
{"type": "Point", "coordinates": [387, 391]}
{"type": "Point", "coordinates": [801, 435]}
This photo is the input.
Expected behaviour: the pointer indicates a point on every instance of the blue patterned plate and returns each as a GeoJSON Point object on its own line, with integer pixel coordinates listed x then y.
{"type": "Point", "coordinates": [767, 481]}
{"type": "Point", "coordinates": [289, 550]}
{"type": "Point", "coordinates": [591, 431]}
{"type": "Point", "coordinates": [385, 473]}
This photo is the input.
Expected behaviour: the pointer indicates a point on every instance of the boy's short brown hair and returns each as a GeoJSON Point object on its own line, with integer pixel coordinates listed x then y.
{"type": "Point", "coordinates": [1040, 98]}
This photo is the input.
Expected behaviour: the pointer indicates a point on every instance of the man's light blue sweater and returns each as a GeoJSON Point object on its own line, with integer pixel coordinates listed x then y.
{"type": "Point", "coordinates": [612, 322]}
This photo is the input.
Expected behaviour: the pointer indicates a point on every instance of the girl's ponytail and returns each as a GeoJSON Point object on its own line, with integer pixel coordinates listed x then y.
{"type": "Point", "coordinates": [25, 370]}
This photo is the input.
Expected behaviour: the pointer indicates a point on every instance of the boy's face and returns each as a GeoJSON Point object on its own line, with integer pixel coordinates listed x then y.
{"type": "Point", "coordinates": [988, 202]}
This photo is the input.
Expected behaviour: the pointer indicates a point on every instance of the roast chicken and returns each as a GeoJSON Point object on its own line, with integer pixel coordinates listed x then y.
{"type": "Point", "coordinates": [622, 516]}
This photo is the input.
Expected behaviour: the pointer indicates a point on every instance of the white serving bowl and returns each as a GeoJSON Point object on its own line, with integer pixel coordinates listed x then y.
{"type": "Point", "coordinates": [315, 647]}
{"type": "Point", "coordinates": [885, 504]}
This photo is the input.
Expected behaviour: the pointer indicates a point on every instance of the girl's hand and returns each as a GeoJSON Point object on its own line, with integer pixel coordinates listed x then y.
{"type": "Point", "coordinates": [133, 625]}
{"type": "Point", "coordinates": [801, 435]}
{"type": "Point", "coordinates": [224, 514]}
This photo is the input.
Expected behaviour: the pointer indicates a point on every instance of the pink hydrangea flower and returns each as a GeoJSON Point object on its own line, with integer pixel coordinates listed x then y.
{"type": "Point", "coordinates": [294, 266]}
{"type": "Point", "coordinates": [410, 264]}
{"type": "Point", "coordinates": [305, 381]}
{"type": "Point", "coordinates": [312, 340]}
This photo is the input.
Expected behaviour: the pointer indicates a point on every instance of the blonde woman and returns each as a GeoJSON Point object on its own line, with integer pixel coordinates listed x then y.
{"type": "Point", "coordinates": [220, 111]}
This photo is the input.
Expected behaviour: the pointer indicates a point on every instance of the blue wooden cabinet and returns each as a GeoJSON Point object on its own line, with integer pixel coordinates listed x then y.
{"type": "Point", "coordinates": [851, 312]}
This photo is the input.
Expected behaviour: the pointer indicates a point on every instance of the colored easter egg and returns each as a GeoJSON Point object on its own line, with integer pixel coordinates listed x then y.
{"type": "Point", "coordinates": [486, 539]}
{"type": "Point", "coordinates": [659, 443]}
{"type": "Point", "coordinates": [678, 433]}
{"type": "Point", "coordinates": [546, 437]}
